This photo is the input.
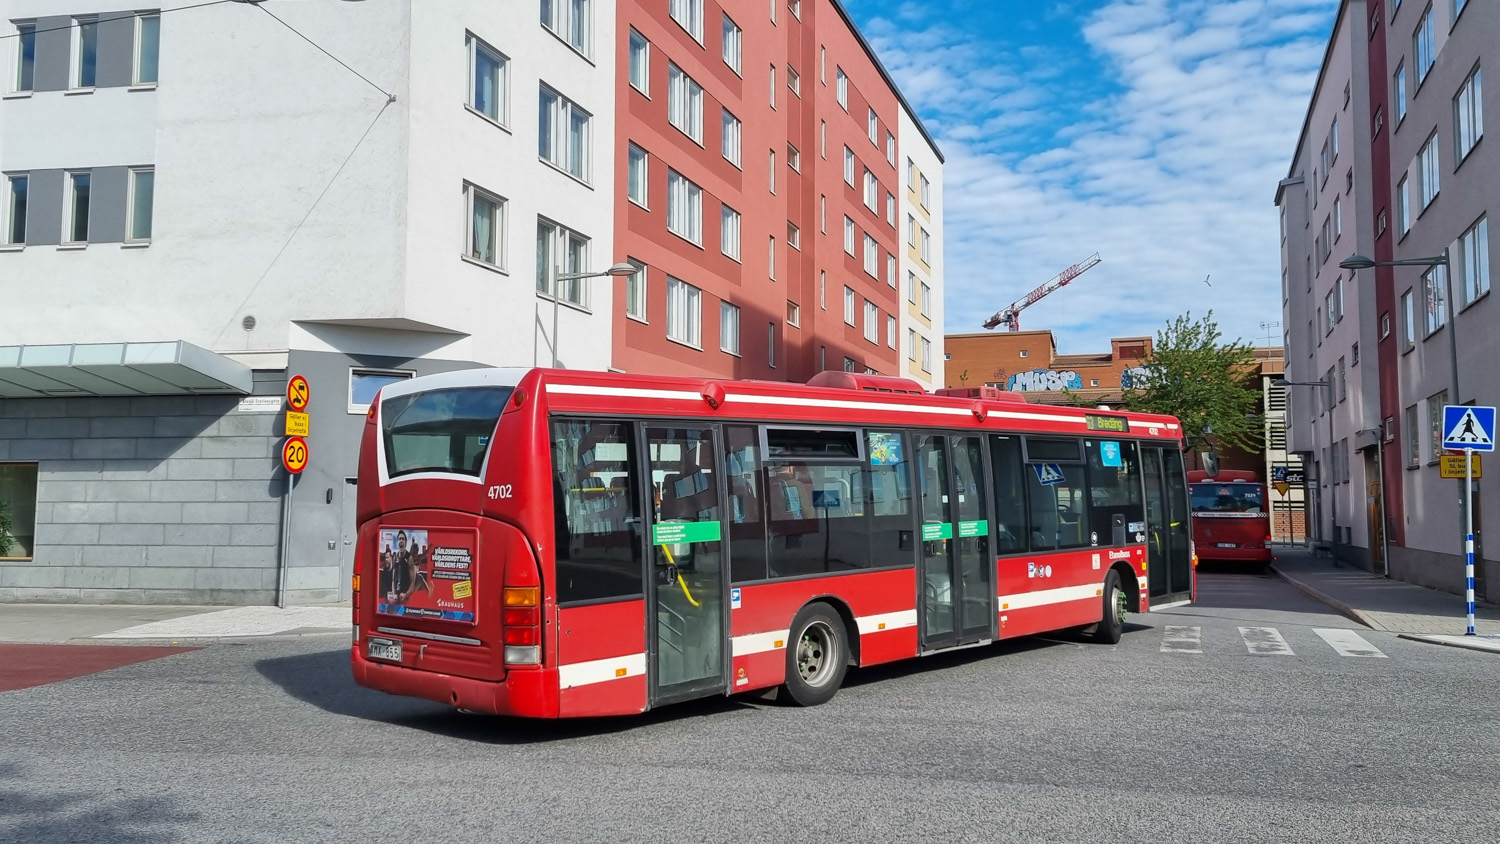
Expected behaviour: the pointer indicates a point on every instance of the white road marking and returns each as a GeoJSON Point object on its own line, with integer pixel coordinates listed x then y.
{"type": "Point", "coordinates": [1265, 641]}
{"type": "Point", "coordinates": [240, 621]}
{"type": "Point", "coordinates": [1349, 643]}
{"type": "Point", "coordinates": [1182, 640]}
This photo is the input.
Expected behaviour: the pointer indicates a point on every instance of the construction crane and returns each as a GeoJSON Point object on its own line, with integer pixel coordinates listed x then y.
{"type": "Point", "coordinates": [1011, 316]}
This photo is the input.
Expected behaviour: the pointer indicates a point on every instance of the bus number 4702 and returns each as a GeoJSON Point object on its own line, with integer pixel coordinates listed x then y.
{"type": "Point", "coordinates": [500, 491]}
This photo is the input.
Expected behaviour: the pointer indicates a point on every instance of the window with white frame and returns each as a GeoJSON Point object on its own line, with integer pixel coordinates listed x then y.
{"type": "Point", "coordinates": [571, 21]}
{"type": "Point", "coordinates": [890, 269]}
{"type": "Point", "coordinates": [640, 62]}
{"type": "Point", "coordinates": [911, 344]}
{"type": "Point", "coordinates": [771, 345]}
{"type": "Point", "coordinates": [925, 246]}
{"type": "Point", "coordinates": [926, 355]}
{"type": "Point", "coordinates": [926, 300]}
{"type": "Point", "coordinates": [890, 208]}
{"type": "Point", "coordinates": [1338, 218]}
{"type": "Point", "coordinates": [849, 303]}
{"type": "Point", "coordinates": [823, 65]}
{"type": "Point", "coordinates": [684, 313]}
{"type": "Point", "coordinates": [911, 230]}
{"type": "Point", "coordinates": [1413, 437]}
{"type": "Point", "coordinates": [793, 314]}
{"type": "Point", "coordinates": [890, 149]}
{"type": "Point", "coordinates": [773, 85]}
{"type": "Point", "coordinates": [771, 258]}
{"type": "Point", "coordinates": [684, 208]}
{"type": "Point", "coordinates": [793, 158]}
{"type": "Point", "coordinates": [1433, 289]}
{"type": "Point", "coordinates": [1427, 165]}
{"type": "Point", "coordinates": [848, 235]}
{"type": "Point", "coordinates": [1435, 404]}
{"type": "Point", "coordinates": [822, 213]}
{"type": "Point", "coordinates": [487, 77]}
{"type": "Point", "coordinates": [689, 15]}
{"type": "Point", "coordinates": [795, 7]}
{"type": "Point", "coordinates": [872, 322]}
{"type": "Point", "coordinates": [561, 252]}
{"type": "Point", "coordinates": [1468, 115]}
{"type": "Point", "coordinates": [793, 235]}
{"type": "Point", "coordinates": [771, 172]}
{"type": "Point", "coordinates": [76, 229]}
{"type": "Point", "coordinates": [635, 291]}
{"type": "Point", "coordinates": [1332, 308]}
{"type": "Point", "coordinates": [872, 191]}
{"type": "Point", "coordinates": [911, 287]}
{"type": "Point", "coordinates": [731, 139]}
{"type": "Point", "coordinates": [731, 44]}
{"type": "Point", "coordinates": [563, 134]}
{"type": "Point", "coordinates": [1399, 82]}
{"type": "Point", "coordinates": [911, 174]}
{"type": "Point", "coordinates": [843, 88]}
{"type": "Point", "coordinates": [1343, 380]}
{"type": "Point", "coordinates": [823, 139]}
{"type": "Point", "coordinates": [926, 191]}
{"type": "Point", "coordinates": [85, 65]}
{"type": "Point", "coordinates": [142, 199]}
{"type": "Point", "coordinates": [1333, 139]}
{"type": "Point", "coordinates": [793, 80]}
{"type": "Point", "coordinates": [25, 74]}
{"type": "Point", "coordinates": [729, 328]}
{"type": "Point", "coordinates": [890, 331]}
{"type": "Point", "coordinates": [146, 61]}
{"type": "Point", "coordinates": [1474, 261]}
{"type": "Point", "coordinates": [1403, 206]}
{"type": "Point", "coordinates": [874, 127]}
{"type": "Point", "coordinates": [684, 103]}
{"type": "Point", "coordinates": [13, 213]}
{"type": "Point", "coordinates": [849, 166]}
{"type": "Point", "coordinates": [823, 290]}
{"type": "Point", "coordinates": [1423, 47]}
{"type": "Point", "coordinates": [636, 179]}
{"type": "Point", "coordinates": [729, 232]}
{"type": "Point", "coordinates": [364, 384]}
{"type": "Point", "coordinates": [872, 257]}
{"type": "Point", "coordinates": [1408, 322]}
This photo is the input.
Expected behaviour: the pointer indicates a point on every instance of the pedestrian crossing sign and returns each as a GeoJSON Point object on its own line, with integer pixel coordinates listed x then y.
{"type": "Point", "coordinates": [1048, 474]}
{"type": "Point", "coordinates": [1468, 427]}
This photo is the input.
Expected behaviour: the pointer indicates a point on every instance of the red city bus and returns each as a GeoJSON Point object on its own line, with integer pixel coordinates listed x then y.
{"type": "Point", "coordinates": [1231, 521]}
{"type": "Point", "coordinates": [552, 543]}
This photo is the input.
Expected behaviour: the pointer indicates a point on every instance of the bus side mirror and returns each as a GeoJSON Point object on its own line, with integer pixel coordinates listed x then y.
{"type": "Point", "coordinates": [1211, 463]}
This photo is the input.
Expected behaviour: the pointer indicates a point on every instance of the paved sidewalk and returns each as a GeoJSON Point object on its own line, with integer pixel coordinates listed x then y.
{"type": "Point", "coordinates": [1393, 606]}
{"type": "Point", "coordinates": [57, 623]}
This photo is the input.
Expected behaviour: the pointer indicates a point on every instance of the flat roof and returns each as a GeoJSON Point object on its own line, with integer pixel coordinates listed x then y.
{"type": "Point", "coordinates": [167, 368]}
{"type": "Point", "coordinates": [884, 74]}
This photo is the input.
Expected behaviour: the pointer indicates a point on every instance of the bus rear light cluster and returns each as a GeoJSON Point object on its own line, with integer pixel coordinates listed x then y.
{"type": "Point", "coordinates": [521, 617]}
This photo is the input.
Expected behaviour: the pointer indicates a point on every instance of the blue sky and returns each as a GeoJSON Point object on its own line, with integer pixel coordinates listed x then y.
{"type": "Point", "coordinates": [1150, 131]}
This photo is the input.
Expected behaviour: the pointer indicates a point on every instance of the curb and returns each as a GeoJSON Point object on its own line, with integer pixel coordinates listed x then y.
{"type": "Point", "coordinates": [1435, 640]}
{"type": "Point", "coordinates": [1343, 608]}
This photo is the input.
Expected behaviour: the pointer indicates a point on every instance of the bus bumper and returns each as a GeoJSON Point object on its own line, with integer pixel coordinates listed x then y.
{"type": "Point", "coordinates": [529, 693]}
{"type": "Point", "coordinates": [1250, 555]}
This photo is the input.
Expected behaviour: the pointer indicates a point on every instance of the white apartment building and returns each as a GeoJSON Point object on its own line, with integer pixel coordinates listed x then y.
{"type": "Point", "coordinates": [199, 203]}
{"type": "Point", "coordinates": [921, 265]}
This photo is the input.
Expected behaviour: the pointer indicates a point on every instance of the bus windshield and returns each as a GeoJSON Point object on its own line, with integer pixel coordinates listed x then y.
{"type": "Point", "coordinates": [1228, 498]}
{"type": "Point", "coordinates": [446, 430]}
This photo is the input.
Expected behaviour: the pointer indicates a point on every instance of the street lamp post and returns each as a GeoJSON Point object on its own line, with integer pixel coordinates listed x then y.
{"type": "Point", "coordinates": [1333, 507]}
{"type": "Point", "coordinates": [620, 269]}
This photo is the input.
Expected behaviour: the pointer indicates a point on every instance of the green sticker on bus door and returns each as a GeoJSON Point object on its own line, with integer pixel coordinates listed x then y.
{"type": "Point", "coordinates": [975, 528]}
{"type": "Point", "coordinates": [934, 532]}
{"type": "Point", "coordinates": [674, 533]}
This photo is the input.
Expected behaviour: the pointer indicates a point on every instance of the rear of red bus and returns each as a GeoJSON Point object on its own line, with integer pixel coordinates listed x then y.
{"type": "Point", "coordinates": [448, 597]}
{"type": "Point", "coordinates": [1231, 521]}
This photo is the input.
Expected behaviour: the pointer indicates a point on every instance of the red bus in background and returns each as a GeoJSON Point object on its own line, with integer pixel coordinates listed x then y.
{"type": "Point", "coordinates": [1231, 517]}
{"type": "Point", "coordinates": [552, 543]}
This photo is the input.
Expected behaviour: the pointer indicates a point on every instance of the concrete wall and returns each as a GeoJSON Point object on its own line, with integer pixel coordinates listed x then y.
{"type": "Point", "coordinates": [912, 144]}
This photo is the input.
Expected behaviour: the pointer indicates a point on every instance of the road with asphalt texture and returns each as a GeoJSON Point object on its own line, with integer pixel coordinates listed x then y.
{"type": "Point", "coordinates": [1254, 715]}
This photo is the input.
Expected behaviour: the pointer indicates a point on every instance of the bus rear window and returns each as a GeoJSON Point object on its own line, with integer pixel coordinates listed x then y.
{"type": "Point", "coordinates": [440, 430]}
{"type": "Point", "coordinates": [1227, 498]}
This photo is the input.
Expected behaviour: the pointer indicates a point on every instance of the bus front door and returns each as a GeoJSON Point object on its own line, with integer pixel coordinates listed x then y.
{"type": "Point", "coordinates": [687, 563]}
{"type": "Point", "coordinates": [957, 604]}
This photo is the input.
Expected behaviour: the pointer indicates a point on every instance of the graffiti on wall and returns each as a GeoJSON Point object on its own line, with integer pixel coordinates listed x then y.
{"type": "Point", "coordinates": [1045, 379]}
{"type": "Point", "coordinates": [1134, 377]}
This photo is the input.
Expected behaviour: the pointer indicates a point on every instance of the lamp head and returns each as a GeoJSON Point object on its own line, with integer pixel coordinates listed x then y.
{"type": "Point", "coordinates": [1357, 262]}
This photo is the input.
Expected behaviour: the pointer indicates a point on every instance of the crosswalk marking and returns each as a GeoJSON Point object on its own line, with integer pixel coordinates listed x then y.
{"type": "Point", "coordinates": [1265, 641]}
{"type": "Point", "coordinates": [1182, 640]}
{"type": "Point", "coordinates": [1349, 643]}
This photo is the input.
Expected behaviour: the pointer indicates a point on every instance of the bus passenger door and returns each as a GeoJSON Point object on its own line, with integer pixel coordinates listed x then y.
{"type": "Point", "coordinates": [686, 614]}
{"type": "Point", "coordinates": [1168, 555]}
{"type": "Point", "coordinates": [957, 603]}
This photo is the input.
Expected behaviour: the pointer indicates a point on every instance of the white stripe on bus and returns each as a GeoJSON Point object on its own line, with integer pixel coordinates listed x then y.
{"type": "Point", "coordinates": [623, 392]}
{"type": "Point", "coordinates": [756, 643]}
{"type": "Point", "coordinates": [886, 621]}
{"type": "Point", "coordinates": [1047, 597]}
{"type": "Point", "coordinates": [600, 670]}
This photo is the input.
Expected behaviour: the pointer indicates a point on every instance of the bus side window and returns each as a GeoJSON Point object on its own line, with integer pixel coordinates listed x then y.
{"type": "Point", "coordinates": [1114, 490]}
{"type": "Point", "coordinates": [748, 502]}
{"type": "Point", "coordinates": [1059, 506]}
{"type": "Point", "coordinates": [596, 493]}
{"type": "Point", "coordinates": [1010, 494]}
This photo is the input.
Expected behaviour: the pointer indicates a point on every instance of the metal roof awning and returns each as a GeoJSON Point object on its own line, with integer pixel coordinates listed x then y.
{"type": "Point", "coordinates": [171, 368]}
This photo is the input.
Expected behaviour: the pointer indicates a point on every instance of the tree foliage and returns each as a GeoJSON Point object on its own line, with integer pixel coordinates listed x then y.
{"type": "Point", "coordinates": [7, 539]}
{"type": "Point", "coordinates": [1208, 384]}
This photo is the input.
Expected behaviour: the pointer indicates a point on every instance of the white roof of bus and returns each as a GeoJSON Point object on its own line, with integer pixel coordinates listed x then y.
{"type": "Point", "coordinates": [484, 377]}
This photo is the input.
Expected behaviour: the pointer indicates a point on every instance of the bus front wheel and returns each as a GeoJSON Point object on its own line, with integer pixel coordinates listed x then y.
{"type": "Point", "coordinates": [1115, 604]}
{"type": "Point", "coordinates": [817, 655]}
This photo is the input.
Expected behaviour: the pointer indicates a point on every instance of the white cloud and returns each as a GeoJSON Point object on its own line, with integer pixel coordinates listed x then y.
{"type": "Point", "coordinates": [1159, 148]}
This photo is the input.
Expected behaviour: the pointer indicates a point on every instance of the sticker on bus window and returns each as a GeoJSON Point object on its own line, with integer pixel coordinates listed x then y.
{"type": "Point", "coordinates": [884, 448]}
{"type": "Point", "coordinates": [1048, 474]}
{"type": "Point", "coordinates": [1109, 454]}
{"type": "Point", "coordinates": [426, 573]}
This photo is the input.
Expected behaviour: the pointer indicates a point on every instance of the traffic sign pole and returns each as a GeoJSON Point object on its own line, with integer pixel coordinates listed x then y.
{"type": "Point", "coordinates": [1469, 534]}
{"type": "Point", "coordinates": [1471, 429]}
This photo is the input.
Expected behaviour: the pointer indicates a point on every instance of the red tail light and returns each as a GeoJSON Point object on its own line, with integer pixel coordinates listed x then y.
{"type": "Point", "coordinates": [522, 619]}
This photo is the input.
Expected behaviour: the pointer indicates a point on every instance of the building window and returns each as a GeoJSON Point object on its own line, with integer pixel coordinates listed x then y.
{"type": "Point", "coordinates": [1427, 161]}
{"type": "Point", "coordinates": [795, 7]}
{"type": "Point", "coordinates": [487, 72]}
{"type": "Point", "coordinates": [729, 232]}
{"type": "Point", "coordinates": [1343, 381]}
{"type": "Point", "coordinates": [874, 127]}
{"type": "Point", "coordinates": [1408, 322]}
{"type": "Point", "coordinates": [771, 345]}
{"type": "Point", "coordinates": [684, 103]}
{"type": "Point", "coordinates": [729, 328]}
{"type": "Point", "coordinates": [793, 236]}
{"type": "Point", "coordinates": [486, 222]}
{"type": "Point", "coordinates": [771, 258]}
{"type": "Point", "coordinates": [14, 210]}
{"type": "Point", "coordinates": [1474, 262]}
{"type": "Point", "coordinates": [872, 192]}
{"type": "Point", "coordinates": [849, 166]}
{"type": "Point", "coordinates": [890, 149]}
{"type": "Point", "coordinates": [147, 49]}
{"type": "Point", "coordinates": [926, 192]}
{"type": "Point", "coordinates": [911, 287]}
{"type": "Point", "coordinates": [1423, 48]}
{"type": "Point", "coordinates": [843, 88]}
{"type": "Point", "coordinates": [793, 158]}
{"type": "Point", "coordinates": [563, 136]}
{"type": "Point", "coordinates": [77, 228]}
{"type": "Point", "coordinates": [911, 344]}
{"type": "Point", "coordinates": [849, 305]}
{"type": "Point", "coordinates": [890, 269]}
{"type": "Point", "coordinates": [1400, 94]}
{"type": "Point", "coordinates": [684, 208]}
{"type": "Point", "coordinates": [684, 313]}
{"type": "Point", "coordinates": [793, 314]}
{"type": "Point", "coordinates": [850, 365]}
{"type": "Point", "coordinates": [823, 139]}
{"type": "Point", "coordinates": [925, 246]}
{"type": "Point", "coordinates": [890, 208]}
{"type": "Point", "coordinates": [773, 86]}
{"type": "Point", "coordinates": [569, 20]}
{"type": "Point", "coordinates": [635, 291]}
{"type": "Point", "coordinates": [771, 172]}
{"type": "Point", "coordinates": [911, 230]}
{"type": "Point", "coordinates": [1334, 305]}
{"type": "Point", "coordinates": [1413, 438]}
{"type": "Point", "coordinates": [1338, 219]}
{"type": "Point", "coordinates": [1468, 115]}
{"type": "Point", "coordinates": [823, 290]}
{"type": "Point", "coordinates": [1432, 295]}
{"type": "Point", "coordinates": [890, 331]}
{"type": "Point", "coordinates": [85, 52]}
{"type": "Point", "coordinates": [1024, 353]}
{"type": "Point", "coordinates": [793, 80]}
{"type": "Point", "coordinates": [1385, 326]}
{"type": "Point", "coordinates": [364, 384]}
{"type": "Point", "coordinates": [142, 195]}
{"type": "Point", "coordinates": [25, 78]}
{"type": "Point", "coordinates": [731, 44]}
{"type": "Point", "coordinates": [872, 322]}
{"type": "Point", "coordinates": [1435, 424]}
{"type": "Point", "coordinates": [18, 491]}
{"type": "Point", "coordinates": [636, 175]}
{"type": "Point", "coordinates": [926, 355]}
{"type": "Point", "coordinates": [848, 235]}
{"type": "Point", "coordinates": [927, 304]}
{"type": "Point", "coordinates": [640, 62]}
{"type": "Point", "coordinates": [563, 252]}
{"type": "Point", "coordinates": [731, 140]}
{"type": "Point", "coordinates": [872, 257]}
{"type": "Point", "coordinates": [1403, 206]}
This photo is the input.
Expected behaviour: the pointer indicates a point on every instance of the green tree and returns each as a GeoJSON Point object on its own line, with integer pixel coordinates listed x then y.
{"type": "Point", "coordinates": [1206, 383]}
{"type": "Point", "coordinates": [7, 539]}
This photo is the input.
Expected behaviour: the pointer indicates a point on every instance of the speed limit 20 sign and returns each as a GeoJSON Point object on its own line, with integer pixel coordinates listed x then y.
{"type": "Point", "coordinates": [294, 455]}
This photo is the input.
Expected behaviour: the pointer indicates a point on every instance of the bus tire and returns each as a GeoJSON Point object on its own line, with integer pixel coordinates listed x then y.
{"type": "Point", "coordinates": [1113, 623]}
{"type": "Point", "coordinates": [817, 655]}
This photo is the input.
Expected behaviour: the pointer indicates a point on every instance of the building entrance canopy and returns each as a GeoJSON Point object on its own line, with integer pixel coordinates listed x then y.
{"type": "Point", "coordinates": [119, 369]}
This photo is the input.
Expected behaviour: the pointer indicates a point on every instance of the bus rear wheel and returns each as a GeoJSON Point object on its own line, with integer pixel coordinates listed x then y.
{"type": "Point", "coordinates": [817, 655]}
{"type": "Point", "coordinates": [1115, 605]}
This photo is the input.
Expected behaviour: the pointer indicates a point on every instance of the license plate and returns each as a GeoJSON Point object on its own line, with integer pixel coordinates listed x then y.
{"type": "Point", "coordinates": [385, 649]}
{"type": "Point", "coordinates": [1217, 545]}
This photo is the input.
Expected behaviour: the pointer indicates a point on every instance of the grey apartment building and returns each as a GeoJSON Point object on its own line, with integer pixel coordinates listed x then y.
{"type": "Point", "coordinates": [1392, 164]}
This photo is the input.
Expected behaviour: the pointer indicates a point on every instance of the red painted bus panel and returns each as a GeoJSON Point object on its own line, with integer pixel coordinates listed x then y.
{"type": "Point", "coordinates": [601, 653]}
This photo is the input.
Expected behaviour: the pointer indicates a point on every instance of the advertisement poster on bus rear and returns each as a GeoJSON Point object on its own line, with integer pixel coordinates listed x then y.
{"type": "Point", "coordinates": [427, 573]}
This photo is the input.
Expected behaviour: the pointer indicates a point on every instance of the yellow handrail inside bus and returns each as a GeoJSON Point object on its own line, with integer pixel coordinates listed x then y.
{"type": "Point", "coordinates": [680, 581]}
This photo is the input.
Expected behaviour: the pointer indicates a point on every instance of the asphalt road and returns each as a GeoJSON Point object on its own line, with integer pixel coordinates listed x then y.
{"type": "Point", "coordinates": [1155, 739]}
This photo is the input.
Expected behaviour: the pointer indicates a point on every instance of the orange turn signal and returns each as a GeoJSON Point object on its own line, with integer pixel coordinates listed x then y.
{"type": "Point", "coordinates": [521, 596]}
